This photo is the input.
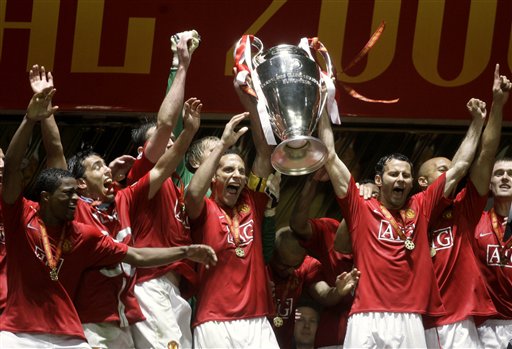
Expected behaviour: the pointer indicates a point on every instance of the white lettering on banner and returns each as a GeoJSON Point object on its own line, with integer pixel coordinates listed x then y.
{"type": "Point", "coordinates": [442, 238]}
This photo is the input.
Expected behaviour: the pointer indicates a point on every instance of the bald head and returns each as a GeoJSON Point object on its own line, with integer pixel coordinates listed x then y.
{"type": "Point", "coordinates": [288, 253]}
{"type": "Point", "coordinates": [431, 169]}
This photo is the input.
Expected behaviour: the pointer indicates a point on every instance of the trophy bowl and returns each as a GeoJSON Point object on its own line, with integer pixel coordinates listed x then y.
{"type": "Point", "coordinates": [291, 83]}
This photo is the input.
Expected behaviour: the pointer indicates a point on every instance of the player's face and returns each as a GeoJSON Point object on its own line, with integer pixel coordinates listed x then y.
{"type": "Point", "coordinates": [395, 183]}
{"type": "Point", "coordinates": [98, 178]}
{"type": "Point", "coordinates": [229, 179]}
{"type": "Point", "coordinates": [501, 179]}
{"type": "Point", "coordinates": [284, 262]}
{"type": "Point", "coordinates": [306, 326]}
{"type": "Point", "coordinates": [434, 168]}
{"type": "Point", "coordinates": [62, 202]}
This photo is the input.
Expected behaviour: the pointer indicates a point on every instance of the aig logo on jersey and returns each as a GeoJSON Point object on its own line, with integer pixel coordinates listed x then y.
{"type": "Point", "coordinates": [497, 257]}
{"type": "Point", "coordinates": [442, 238]}
{"type": "Point", "coordinates": [285, 310]}
{"type": "Point", "coordinates": [245, 234]}
{"type": "Point", "coordinates": [387, 233]}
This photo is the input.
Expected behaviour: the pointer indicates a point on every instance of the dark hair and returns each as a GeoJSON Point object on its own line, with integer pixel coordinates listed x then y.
{"type": "Point", "coordinates": [196, 150]}
{"type": "Point", "coordinates": [139, 134]}
{"type": "Point", "coordinates": [366, 181]}
{"type": "Point", "coordinates": [76, 162]}
{"type": "Point", "coordinates": [49, 180]}
{"type": "Point", "coordinates": [379, 168]}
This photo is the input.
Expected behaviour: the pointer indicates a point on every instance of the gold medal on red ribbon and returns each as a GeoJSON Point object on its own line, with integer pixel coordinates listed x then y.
{"type": "Point", "coordinates": [409, 244]}
{"type": "Point", "coordinates": [240, 253]}
{"type": "Point", "coordinates": [52, 259]}
{"type": "Point", "coordinates": [278, 321]}
{"type": "Point", "coordinates": [433, 252]}
{"type": "Point", "coordinates": [54, 276]}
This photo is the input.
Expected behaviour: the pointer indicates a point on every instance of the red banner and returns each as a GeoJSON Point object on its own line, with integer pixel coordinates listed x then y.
{"type": "Point", "coordinates": [114, 55]}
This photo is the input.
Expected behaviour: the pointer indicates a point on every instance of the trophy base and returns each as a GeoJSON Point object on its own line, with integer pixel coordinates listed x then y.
{"type": "Point", "coordinates": [299, 155]}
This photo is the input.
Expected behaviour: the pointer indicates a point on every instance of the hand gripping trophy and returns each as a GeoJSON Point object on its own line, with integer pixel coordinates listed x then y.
{"type": "Point", "coordinates": [292, 92]}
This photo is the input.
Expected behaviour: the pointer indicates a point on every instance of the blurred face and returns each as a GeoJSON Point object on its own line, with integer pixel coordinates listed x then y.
{"type": "Point", "coordinates": [98, 179]}
{"type": "Point", "coordinates": [501, 180]}
{"type": "Point", "coordinates": [431, 170]}
{"type": "Point", "coordinates": [61, 204]}
{"type": "Point", "coordinates": [285, 262]}
{"type": "Point", "coordinates": [229, 179]}
{"type": "Point", "coordinates": [306, 326]}
{"type": "Point", "coordinates": [395, 183]}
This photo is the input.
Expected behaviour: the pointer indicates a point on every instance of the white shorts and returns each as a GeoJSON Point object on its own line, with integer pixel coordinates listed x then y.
{"type": "Point", "coordinates": [10, 340]}
{"type": "Point", "coordinates": [246, 333]}
{"type": "Point", "coordinates": [495, 333]}
{"type": "Point", "coordinates": [385, 330]}
{"type": "Point", "coordinates": [461, 334]}
{"type": "Point", "coordinates": [167, 316]}
{"type": "Point", "coordinates": [108, 335]}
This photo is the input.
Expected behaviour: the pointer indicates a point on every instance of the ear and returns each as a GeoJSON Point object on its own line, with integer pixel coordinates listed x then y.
{"type": "Point", "coordinates": [423, 182]}
{"type": "Point", "coordinates": [44, 196]}
{"type": "Point", "coordinates": [140, 150]}
{"type": "Point", "coordinates": [194, 163]}
{"type": "Point", "coordinates": [378, 180]}
{"type": "Point", "coordinates": [82, 185]}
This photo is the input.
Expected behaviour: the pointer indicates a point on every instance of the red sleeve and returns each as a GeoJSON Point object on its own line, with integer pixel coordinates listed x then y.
{"type": "Point", "coordinates": [322, 239]}
{"type": "Point", "coordinates": [103, 250]}
{"type": "Point", "coordinates": [350, 207]}
{"type": "Point", "coordinates": [433, 197]}
{"type": "Point", "coordinates": [470, 203]}
{"type": "Point", "coordinates": [313, 271]}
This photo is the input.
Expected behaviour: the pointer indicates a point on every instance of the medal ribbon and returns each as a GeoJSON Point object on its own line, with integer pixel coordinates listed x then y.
{"type": "Point", "coordinates": [181, 195]}
{"type": "Point", "coordinates": [233, 226]}
{"type": "Point", "coordinates": [394, 223]}
{"type": "Point", "coordinates": [498, 231]}
{"type": "Point", "coordinates": [52, 262]}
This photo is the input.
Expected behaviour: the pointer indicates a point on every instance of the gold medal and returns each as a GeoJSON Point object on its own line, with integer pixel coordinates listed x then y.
{"type": "Point", "coordinates": [172, 345]}
{"type": "Point", "coordinates": [53, 274]}
{"type": "Point", "coordinates": [240, 253]}
{"type": "Point", "coordinates": [433, 252]}
{"type": "Point", "coordinates": [278, 321]}
{"type": "Point", "coordinates": [409, 244]}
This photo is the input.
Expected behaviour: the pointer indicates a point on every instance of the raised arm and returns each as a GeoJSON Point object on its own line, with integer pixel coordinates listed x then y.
{"type": "Point", "coordinates": [168, 163]}
{"type": "Point", "coordinates": [172, 104]}
{"type": "Point", "coordinates": [196, 190]}
{"type": "Point", "coordinates": [465, 154]}
{"type": "Point", "coordinates": [261, 167]}
{"type": "Point", "coordinates": [38, 109]}
{"type": "Point", "coordinates": [327, 295]}
{"type": "Point", "coordinates": [39, 80]}
{"type": "Point", "coordinates": [481, 169]}
{"type": "Point", "coordinates": [156, 256]}
{"type": "Point", "coordinates": [299, 219]}
{"type": "Point", "coordinates": [337, 170]}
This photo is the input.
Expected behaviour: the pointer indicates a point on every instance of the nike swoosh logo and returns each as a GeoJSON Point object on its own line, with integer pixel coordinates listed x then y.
{"type": "Point", "coordinates": [484, 234]}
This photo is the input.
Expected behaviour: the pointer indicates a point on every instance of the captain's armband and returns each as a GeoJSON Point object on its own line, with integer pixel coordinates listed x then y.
{"type": "Point", "coordinates": [256, 183]}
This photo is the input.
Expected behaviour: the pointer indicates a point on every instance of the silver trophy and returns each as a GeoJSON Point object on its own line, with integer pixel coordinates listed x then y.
{"type": "Point", "coordinates": [295, 95]}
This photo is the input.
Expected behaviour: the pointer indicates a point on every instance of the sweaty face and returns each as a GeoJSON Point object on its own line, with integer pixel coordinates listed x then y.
{"type": "Point", "coordinates": [432, 169]}
{"type": "Point", "coordinates": [98, 178]}
{"type": "Point", "coordinates": [229, 179]}
{"type": "Point", "coordinates": [501, 180]}
{"type": "Point", "coordinates": [395, 183]}
{"type": "Point", "coordinates": [62, 202]}
{"type": "Point", "coordinates": [306, 326]}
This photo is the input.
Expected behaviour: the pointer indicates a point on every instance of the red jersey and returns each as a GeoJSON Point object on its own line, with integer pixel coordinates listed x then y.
{"type": "Point", "coordinates": [457, 273]}
{"type": "Point", "coordinates": [106, 295]}
{"type": "Point", "coordinates": [141, 166]}
{"type": "Point", "coordinates": [159, 222]}
{"type": "Point", "coordinates": [333, 320]}
{"type": "Point", "coordinates": [236, 288]}
{"type": "Point", "coordinates": [37, 304]}
{"type": "Point", "coordinates": [393, 278]}
{"type": "Point", "coordinates": [287, 293]}
{"type": "Point", "coordinates": [495, 262]}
